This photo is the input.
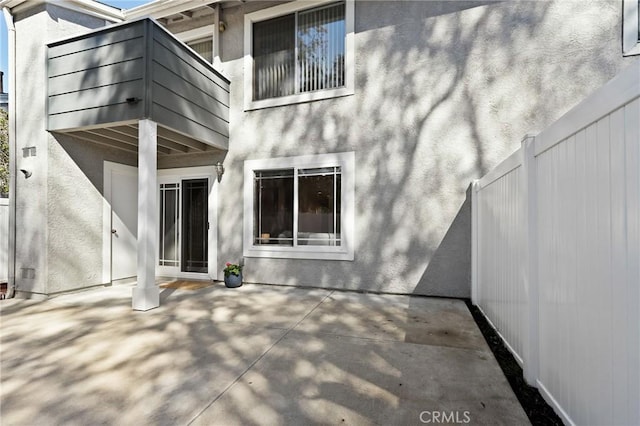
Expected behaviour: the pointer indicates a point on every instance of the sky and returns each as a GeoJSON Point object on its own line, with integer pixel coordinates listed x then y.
{"type": "Point", "coordinates": [4, 52]}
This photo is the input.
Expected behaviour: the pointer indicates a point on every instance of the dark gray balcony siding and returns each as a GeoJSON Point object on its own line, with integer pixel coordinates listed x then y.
{"type": "Point", "coordinates": [185, 94]}
{"type": "Point", "coordinates": [90, 78]}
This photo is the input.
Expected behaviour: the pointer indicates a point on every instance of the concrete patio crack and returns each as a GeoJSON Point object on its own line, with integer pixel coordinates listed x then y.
{"type": "Point", "coordinates": [259, 358]}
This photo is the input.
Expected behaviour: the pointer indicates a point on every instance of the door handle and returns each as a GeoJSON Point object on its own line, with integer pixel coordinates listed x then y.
{"type": "Point", "coordinates": [113, 231]}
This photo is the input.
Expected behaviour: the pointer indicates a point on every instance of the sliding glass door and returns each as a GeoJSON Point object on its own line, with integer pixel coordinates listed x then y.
{"type": "Point", "coordinates": [169, 224]}
{"type": "Point", "coordinates": [195, 225]}
{"type": "Point", "coordinates": [184, 224]}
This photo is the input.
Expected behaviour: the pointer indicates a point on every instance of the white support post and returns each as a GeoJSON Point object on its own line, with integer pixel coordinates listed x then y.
{"type": "Point", "coordinates": [146, 294]}
{"type": "Point", "coordinates": [217, 16]}
{"type": "Point", "coordinates": [530, 259]}
{"type": "Point", "coordinates": [13, 143]}
{"type": "Point", "coordinates": [474, 243]}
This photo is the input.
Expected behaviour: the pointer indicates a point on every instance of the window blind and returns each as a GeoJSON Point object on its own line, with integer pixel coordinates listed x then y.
{"type": "Point", "coordinates": [203, 48]}
{"type": "Point", "coordinates": [300, 52]}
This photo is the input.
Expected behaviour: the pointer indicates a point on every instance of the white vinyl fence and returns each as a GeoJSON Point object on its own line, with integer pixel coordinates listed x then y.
{"type": "Point", "coordinates": [4, 239]}
{"type": "Point", "coordinates": [556, 256]}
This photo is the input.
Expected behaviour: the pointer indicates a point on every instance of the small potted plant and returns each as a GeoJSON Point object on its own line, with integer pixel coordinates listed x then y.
{"type": "Point", "coordinates": [232, 275]}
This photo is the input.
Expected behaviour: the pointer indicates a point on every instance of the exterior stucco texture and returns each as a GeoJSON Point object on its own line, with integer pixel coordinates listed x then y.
{"type": "Point", "coordinates": [443, 92]}
{"type": "Point", "coordinates": [57, 240]}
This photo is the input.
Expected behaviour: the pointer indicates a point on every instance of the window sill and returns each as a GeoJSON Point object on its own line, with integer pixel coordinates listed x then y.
{"type": "Point", "coordinates": [298, 253]}
{"type": "Point", "coordinates": [633, 51]}
{"type": "Point", "coordinates": [298, 99]}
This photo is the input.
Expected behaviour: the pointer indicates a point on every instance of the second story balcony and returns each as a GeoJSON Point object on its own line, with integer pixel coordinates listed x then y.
{"type": "Point", "coordinates": [100, 84]}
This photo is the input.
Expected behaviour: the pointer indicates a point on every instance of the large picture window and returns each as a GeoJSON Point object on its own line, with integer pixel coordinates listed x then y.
{"type": "Point", "coordinates": [298, 207]}
{"type": "Point", "coordinates": [297, 52]}
{"type": "Point", "coordinates": [316, 220]}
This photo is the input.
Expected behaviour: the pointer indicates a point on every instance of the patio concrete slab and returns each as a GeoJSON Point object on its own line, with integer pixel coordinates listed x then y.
{"type": "Point", "coordinates": [253, 355]}
{"type": "Point", "coordinates": [326, 379]}
{"type": "Point", "coordinates": [429, 321]}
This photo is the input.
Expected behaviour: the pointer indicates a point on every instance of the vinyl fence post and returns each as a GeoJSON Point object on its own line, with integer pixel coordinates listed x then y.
{"type": "Point", "coordinates": [474, 243]}
{"type": "Point", "coordinates": [530, 259]}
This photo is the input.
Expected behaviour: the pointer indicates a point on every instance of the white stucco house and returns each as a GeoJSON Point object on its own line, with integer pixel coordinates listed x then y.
{"type": "Point", "coordinates": [323, 143]}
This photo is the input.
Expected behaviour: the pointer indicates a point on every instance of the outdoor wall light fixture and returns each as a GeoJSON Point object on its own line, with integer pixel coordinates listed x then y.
{"type": "Point", "coordinates": [222, 26]}
{"type": "Point", "coordinates": [219, 170]}
{"type": "Point", "coordinates": [27, 173]}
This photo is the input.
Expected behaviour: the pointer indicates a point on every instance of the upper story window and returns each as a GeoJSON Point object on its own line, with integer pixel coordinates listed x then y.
{"type": "Point", "coordinates": [298, 52]}
{"type": "Point", "coordinates": [200, 40]}
{"type": "Point", "coordinates": [631, 27]}
{"type": "Point", "coordinates": [203, 48]}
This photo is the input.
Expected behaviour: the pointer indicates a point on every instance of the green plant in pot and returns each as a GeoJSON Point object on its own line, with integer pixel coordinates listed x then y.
{"type": "Point", "coordinates": [232, 275]}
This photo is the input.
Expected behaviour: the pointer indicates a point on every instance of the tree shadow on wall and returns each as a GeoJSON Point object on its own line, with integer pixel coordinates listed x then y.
{"type": "Point", "coordinates": [449, 270]}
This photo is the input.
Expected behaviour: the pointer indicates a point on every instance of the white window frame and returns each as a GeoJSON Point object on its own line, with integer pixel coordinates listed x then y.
{"type": "Point", "coordinates": [201, 40]}
{"type": "Point", "coordinates": [630, 39]}
{"type": "Point", "coordinates": [285, 9]}
{"type": "Point", "coordinates": [196, 33]}
{"type": "Point", "coordinates": [178, 175]}
{"type": "Point", "coordinates": [207, 32]}
{"type": "Point", "coordinates": [345, 251]}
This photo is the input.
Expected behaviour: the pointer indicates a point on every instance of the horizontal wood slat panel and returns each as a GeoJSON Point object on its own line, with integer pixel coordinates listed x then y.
{"type": "Point", "coordinates": [98, 97]}
{"type": "Point", "coordinates": [189, 127]}
{"type": "Point", "coordinates": [96, 77]}
{"type": "Point", "coordinates": [94, 40]}
{"type": "Point", "coordinates": [189, 91]}
{"type": "Point", "coordinates": [95, 116]}
{"type": "Point", "coordinates": [170, 61]}
{"type": "Point", "coordinates": [91, 76]}
{"type": "Point", "coordinates": [101, 56]}
{"type": "Point", "coordinates": [189, 110]}
{"type": "Point", "coordinates": [195, 61]}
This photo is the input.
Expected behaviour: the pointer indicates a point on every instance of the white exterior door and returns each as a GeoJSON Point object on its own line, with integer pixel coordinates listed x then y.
{"type": "Point", "coordinates": [121, 192]}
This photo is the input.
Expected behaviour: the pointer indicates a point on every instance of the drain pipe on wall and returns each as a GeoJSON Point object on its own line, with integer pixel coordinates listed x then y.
{"type": "Point", "coordinates": [11, 30]}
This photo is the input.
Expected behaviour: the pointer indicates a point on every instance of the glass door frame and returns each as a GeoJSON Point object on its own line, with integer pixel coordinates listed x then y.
{"type": "Point", "coordinates": [177, 176]}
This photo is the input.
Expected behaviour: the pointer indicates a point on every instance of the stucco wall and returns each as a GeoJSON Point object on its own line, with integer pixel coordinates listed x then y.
{"type": "Point", "coordinates": [60, 207]}
{"type": "Point", "coordinates": [74, 211]}
{"type": "Point", "coordinates": [59, 219]}
{"type": "Point", "coordinates": [444, 91]}
{"type": "Point", "coordinates": [31, 194]}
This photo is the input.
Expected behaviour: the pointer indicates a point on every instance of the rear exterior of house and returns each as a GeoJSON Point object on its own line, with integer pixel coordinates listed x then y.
{"type": "Point", "coordinates": [348, 131]}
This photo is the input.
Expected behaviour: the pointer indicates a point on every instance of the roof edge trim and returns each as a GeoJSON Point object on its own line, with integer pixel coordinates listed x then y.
{"type": "Point", "coordinates": [162, 8]}
{"type": "Point", "coordinates": [89, 7]}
